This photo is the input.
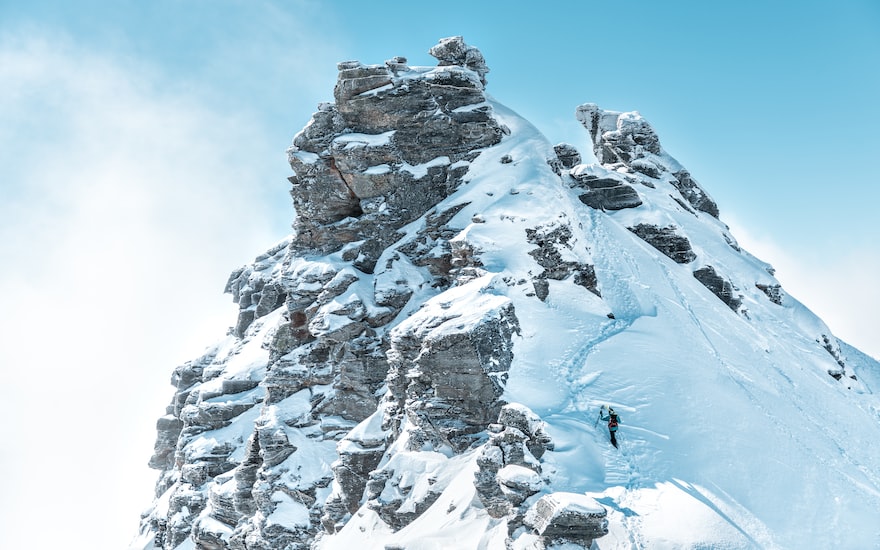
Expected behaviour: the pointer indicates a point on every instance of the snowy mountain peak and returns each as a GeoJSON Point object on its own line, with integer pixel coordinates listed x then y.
{"type": "Point", "coordinates": [422, 363]}
{"type": "Point", "coordinates": [397, 141]}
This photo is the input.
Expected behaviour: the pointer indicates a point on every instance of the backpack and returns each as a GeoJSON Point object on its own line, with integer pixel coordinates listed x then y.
{"type": "Point", "coordinates": [612, 422]}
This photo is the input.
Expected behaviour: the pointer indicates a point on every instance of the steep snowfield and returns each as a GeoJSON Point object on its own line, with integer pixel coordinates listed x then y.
{"type": "Point", "coordinates": [733, 433]}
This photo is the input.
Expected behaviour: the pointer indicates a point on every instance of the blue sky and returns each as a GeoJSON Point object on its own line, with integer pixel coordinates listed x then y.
{"type": "Point", "coordinates": [142, 159]}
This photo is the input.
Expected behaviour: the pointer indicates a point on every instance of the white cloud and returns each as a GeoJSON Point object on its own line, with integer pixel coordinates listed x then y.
{"type": "Point", "coordinates": [124, 207]}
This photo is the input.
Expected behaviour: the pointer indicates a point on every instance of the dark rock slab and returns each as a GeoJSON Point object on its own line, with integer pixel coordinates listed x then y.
{"type": "Point", "coordinates": [719, 286]}
{"type": "Point", "coordinates": [666, 240]}
{"type": "Point", "coordinates": [606, 193]}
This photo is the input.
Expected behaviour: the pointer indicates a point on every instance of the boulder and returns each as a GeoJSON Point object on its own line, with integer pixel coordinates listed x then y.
{"type": "Point", "coordinates": [567, 518]}
{"type": "Point", "coordinates": [454, 51]}
{"type": "Point", "coordinates": [509, 469]}
{"type": "Point", "coordinates": [568, 155]}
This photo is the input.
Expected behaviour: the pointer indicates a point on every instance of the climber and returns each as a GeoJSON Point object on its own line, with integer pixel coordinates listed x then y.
{"type": "Point", "coordinates": [612, 420]}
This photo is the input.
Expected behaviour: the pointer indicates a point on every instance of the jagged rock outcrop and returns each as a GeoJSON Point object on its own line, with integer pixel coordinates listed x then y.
{"type": "Point", "coordinates": [254, 289]}
{"type": "Point", "coordinates": [360, 452]}
{"type": "Point", "coordinates": [629, 154]}
{"type": "Point", "coordinates": [396, 142]}
{"type": "Point", "coordinates": [454, 51]}
{"type": "Point", "coordinates": [626, 140]}
{"type": "Point", "coordinates": [448, 364]}
{"type": "Point", "coordinates": [509, 463]}
{"type": "Point", "coordinates": [833, 348]}
{"type": "Point", "coordinates": [552, 242]}
{"type": "Point", "coordinates": [693, 193]}
{"type": "Point", "coordinates": [772, 291]}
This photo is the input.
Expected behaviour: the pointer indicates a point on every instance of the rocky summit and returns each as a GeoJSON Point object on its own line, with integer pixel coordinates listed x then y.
{"type": "Point", "coordinates": [421, 363]}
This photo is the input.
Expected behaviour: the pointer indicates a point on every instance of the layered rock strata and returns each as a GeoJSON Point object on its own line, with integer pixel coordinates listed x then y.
{"type": "Point", "coordinates": [397, 141]}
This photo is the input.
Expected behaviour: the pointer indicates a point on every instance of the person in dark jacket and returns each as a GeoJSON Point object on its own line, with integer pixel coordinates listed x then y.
{"type": "Point", "coordinates": [613, 420]}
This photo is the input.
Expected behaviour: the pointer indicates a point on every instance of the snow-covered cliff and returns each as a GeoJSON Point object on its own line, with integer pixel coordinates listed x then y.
{"type": "Point", "coordinates": [421, 364]}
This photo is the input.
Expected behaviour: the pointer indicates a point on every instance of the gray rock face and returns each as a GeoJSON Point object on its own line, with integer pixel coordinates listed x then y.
{"type": "Point", "coordinates": [693, 193]}
{"type": "Point", "coordinates": [446, 376]}
{"type": "Point", "coordinates": [168, 430]}
{"type": "Point", "coordinates": [448, 365]}
{"type": "Point", "coordinates": [568, 155]}
{"type": "Point", "coordinates": [509, 463]}
{"type": "Point", "coordinates": [396, 142]}
{"type": "Point", "coordinates": [567, 519]}
{"type": "Point", "coordinates": [446, 260]}
{"type": "Point", "coordinates": [254, 290]}
{"type": "Point", "coordinates": [606, 193]}
{"type": "Point", "coordinates": [360, 452]}
{"type": "Point", "coordinates": [667, 241]}
{"type": "Point", "coordinates": [719, 286]}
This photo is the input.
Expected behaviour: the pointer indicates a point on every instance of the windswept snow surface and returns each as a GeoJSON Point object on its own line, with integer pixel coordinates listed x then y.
{"type": "Point", "coordinates": [733, 433]}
